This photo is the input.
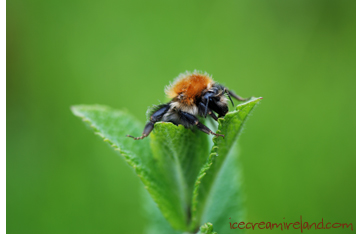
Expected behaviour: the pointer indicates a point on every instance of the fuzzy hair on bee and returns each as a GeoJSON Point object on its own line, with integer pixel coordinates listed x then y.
{"type": "Point", "coordinates": [192, 95]}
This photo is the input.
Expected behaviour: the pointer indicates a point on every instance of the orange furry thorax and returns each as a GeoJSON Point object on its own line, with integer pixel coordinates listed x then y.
{"type": "Point", "coordinates": [188, 87]}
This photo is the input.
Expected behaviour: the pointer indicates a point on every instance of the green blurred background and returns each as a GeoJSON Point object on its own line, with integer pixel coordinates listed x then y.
{"type": "Point", "coordinates": [297, 149]}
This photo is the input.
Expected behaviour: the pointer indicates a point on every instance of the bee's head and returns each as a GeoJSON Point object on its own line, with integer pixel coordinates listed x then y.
{"type": "Point", "coordinates": [220, 103]}
{"type": "Point", "coordinates": [216, 100]}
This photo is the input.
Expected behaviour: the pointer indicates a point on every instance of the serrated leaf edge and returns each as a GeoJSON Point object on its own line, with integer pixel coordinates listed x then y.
{"type": "Point", "coordinates": [134, 163]}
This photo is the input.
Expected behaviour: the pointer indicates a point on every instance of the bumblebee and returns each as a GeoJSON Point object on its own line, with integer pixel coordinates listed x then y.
{"type": "Point", "coordinates": [192, 95]}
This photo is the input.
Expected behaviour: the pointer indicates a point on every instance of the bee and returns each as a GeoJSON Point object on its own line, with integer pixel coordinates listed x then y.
{"type": "Point", "coordinates": [192, 95]}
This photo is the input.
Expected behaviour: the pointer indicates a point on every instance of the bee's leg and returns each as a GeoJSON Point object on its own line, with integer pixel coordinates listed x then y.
{"type": "Point", "coordinates": [202, 108]}
{"type": "Point", "coordinates": [155, 117]}
{"type": "Point", "coordinates": [146, 131]}
{"type": "Point", "coordinates": [189, 120]}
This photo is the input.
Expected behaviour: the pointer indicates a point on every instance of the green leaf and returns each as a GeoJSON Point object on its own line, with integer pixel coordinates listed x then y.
{"type": "Point", "coordinates": [230, 126]}
{"type": "Point", "coordinates": [156, 222]}
{"type": "Point", "coordinates": [179, 154]}
{"type": "Point", "coordinates": [112, 126]}
{"type": "Point", "coordinates": [188, 186]}
{"type": "Point", "coordinates": [207, 228]}
{"type": "Point", "coordinates": [225, 202]}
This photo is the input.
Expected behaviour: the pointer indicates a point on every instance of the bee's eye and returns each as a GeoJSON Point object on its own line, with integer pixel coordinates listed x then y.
{"type": "Point", "coordinates": [217, 98]}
